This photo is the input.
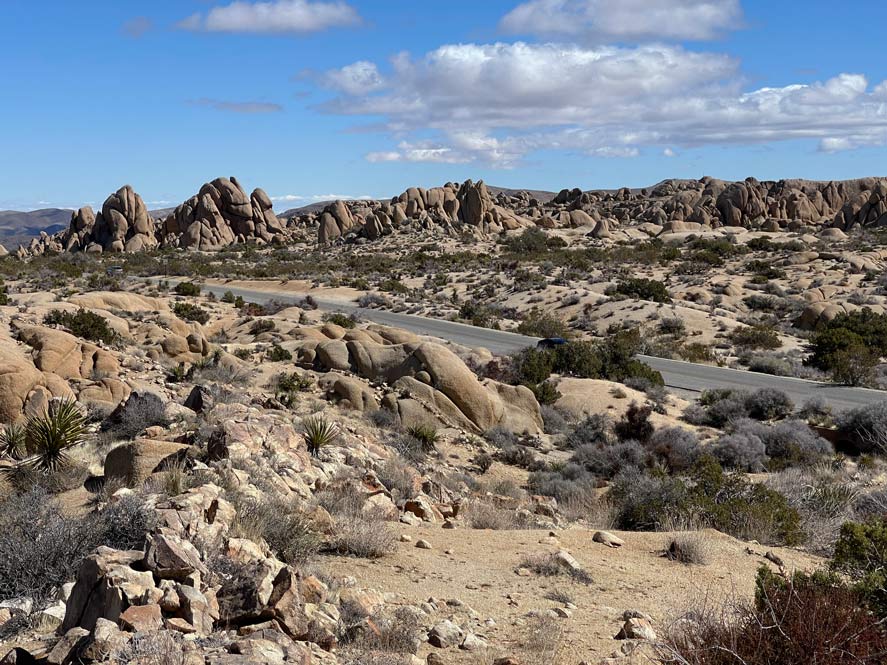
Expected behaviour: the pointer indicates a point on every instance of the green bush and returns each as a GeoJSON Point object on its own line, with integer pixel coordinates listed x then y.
{"type": "Point", "coordinates": [319, 432]}
{"type": "Point", "coordinates": [190, 312]}
{"type": "Point", "coordinates": [187, 289]}
{"type": "Point", "coordinates": [394, 286]}
{"type": "Point", "coordinates": [45, 439]}
{"type": "Point", "coordinates": [261, 326]}
{"type": "Point", "coordinates": [278, 354]}
{"type": "Point", "coordinates": [850, 345]}
{"type": "Point", "coordinates": [228, 297]}
{"type": "Point", "coordinates": [84, 324]}
{"type": "Point", "coordinates": [542, 324]}
{"type": "Point", "coordinates": [545, 392]}
{"type": "Point", "coordinates": [340, 319]}
{"type": "Point", "coordinates": [755, 337]}
{"type": "Point", "coordinates": [861, 555]}
{"type": "Point", "coordinates": [643, 289]}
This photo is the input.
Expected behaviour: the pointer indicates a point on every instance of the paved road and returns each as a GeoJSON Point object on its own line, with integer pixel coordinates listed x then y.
{"type": "Point", "coordinates": [686, 379]}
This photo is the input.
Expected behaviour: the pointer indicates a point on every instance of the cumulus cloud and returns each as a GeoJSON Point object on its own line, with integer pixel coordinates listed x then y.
{"type": "Point", "coordinates": [278, 16]}
{"type": "Point", "coordinates": [237, 107]}
{"type": "Point", "coordinates": [624, 21]}
{"type": "Point", "coordinates": [498, 102]}
{"type": "Point", "coordinates": [359, 78]}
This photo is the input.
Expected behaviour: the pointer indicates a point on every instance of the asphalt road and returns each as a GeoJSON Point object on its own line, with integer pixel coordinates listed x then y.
{"type": "Point", "coordinates": [683, 378]}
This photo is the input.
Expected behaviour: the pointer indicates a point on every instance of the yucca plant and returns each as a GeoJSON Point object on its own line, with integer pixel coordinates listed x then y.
{"type": "Point", "coordinates": [49, 435]}
{"type": "Point", "coordinates": [426, 434]}
{"type": "Point", "coordinates": [319, 432]}
{"type": "Point", "coordinates": [13, 442]}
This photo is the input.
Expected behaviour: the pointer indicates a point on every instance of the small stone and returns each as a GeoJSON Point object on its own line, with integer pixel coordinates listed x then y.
{"type": "Point", "coordinates": [445, 634]}
{"type": "Point", "coordinates": [423, 544]}
{"type": "Point", "coordinates": [637, 629]}
{"type": "Point", "coordinates": [449, 524]}
{"type": "Point", "coordinates": [142, 618]}
{"type": "Point", "coordinates": [405, 538]}
{"type": "Point", "coordinates": [473, 643]}
{"type": "Point", "coordinates": [448, 551]}
{"type": "Point", "coordinates": [435, 659]}
{"type": "Point", "coordinates": [608, 539]}
{"type": "Point", "coordinates": [563, 612]}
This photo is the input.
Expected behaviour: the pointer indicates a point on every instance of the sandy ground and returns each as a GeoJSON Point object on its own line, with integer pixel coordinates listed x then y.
{"type": "Point", "coordinates": [480, 571]}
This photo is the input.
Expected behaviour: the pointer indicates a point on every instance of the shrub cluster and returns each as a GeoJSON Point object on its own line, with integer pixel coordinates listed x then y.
{"type": "Point", "coordinates": [84, 324]}
{"type": "Point", "coordinates": [642, 289]}
{"type": "Point", "coordinates": [190, 312]}
{"type": "Point", "coordinates": [720, 407]}
{"type": "Point", "coordinates": [850, 345]}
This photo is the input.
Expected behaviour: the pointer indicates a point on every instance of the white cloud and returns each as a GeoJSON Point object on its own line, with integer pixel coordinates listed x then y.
{"type": "Point", "coordinates": [314, 198]}
{"type": "Point", "coordinates": [278, 16]}
{"type": "Point", "coordinates": [624, 21]}
{"type": "Point", "coordinates": [668, 152]}
{"type": "Point", "coordinates": [499, 102]}
{"type": "Point", "coordinates": [362, 77]}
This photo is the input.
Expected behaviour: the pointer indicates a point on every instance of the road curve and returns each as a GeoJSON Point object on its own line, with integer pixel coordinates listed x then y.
{"type": "Point", "coordinates": [686, 379]}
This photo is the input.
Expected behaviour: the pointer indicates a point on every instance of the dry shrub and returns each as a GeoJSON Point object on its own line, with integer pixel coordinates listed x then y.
{"type": "Point", "coordinates": [588, 506]}
{"type": "Point", "coordinates": [689, 547]}
{"type": "Point", "coordinates": [360, 536]}
{"type": "Point", "coordinates": [544, 640]}
{"type": "Point", "coordinates": [484, 515]}
{"type": "Point", "coordinates": [280, 524]}
{"type": "Point", "coordinates": [160, 648]}
{"type": "Point", "coordinates": [807, 619]}
{"type": "Point", "coordinates": [548, 565]}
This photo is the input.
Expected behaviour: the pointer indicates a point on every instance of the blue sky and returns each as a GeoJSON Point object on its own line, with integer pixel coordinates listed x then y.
{"type": "Point", "coordinates": [311, 98]}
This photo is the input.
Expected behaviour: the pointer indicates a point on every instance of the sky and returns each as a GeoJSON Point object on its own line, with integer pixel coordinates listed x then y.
{"type": "Point", "coordinates": [319, 99]}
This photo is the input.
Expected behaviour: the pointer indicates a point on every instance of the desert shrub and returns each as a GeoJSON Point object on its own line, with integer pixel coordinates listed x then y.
{"type": "Point", "coordinates": [545, 393]}
{"type": "Point", "coordinates": [644, 502]}
{"type": "Point", "coordinates": [126, 522]}
{"type": "Point", "coordinates": [727, 502]}
{"type": "Point", "coordinates": [519, 456]}
{"type": "Point", "coordinates": [365, 537]}
{"type": "Point", "coordinates": [228, 297]}
{"type": "Point", "coordinates": [672, 326]}
{"type": "Point", "coordinates": [553, 420]}
{"type": "Point", "coordinates": [288, 384]}
{"type": "Point", "coordinates": [816, 410]}
{"type": "Point", "coordinates": [190, 312]}
{"type": "Point", "coordinates": [384, 418]}
{"type": "Point", "coordinates": [570, 482]}
{"type": "Point", "coordinates": [277, 354]}
{"type": "Point", "coordinates": [741, 451]}
{"type": "Point", "coordinates": [635, 423]}
{"type": "Point", "coordinates": [755, 337]}
{"type": "Point", "coordinates": [340, 319]}
{"type": "Point", "coordinates": [392, 633]}
{"type": "Point", "coordinates": [84, 324]}
{"type": "Point", "coordinates": [155, 648]}
{"type": "Point", "coordinates": [689, 547]}
{"type": "Point", "coordinates": [872, 504]}
{"type": "Point", "coordinates": [854, 366]}
{"type": "Point", "coordinates": [411, 448]}
{"type": "Point", "coordinates": [823, 499]}
{"type": "Point", "coordinates": [399, 477]}
{"type": "Point", "coordinates": [594, 429]}
{"type": "Point", "coordinates": [539, 323]}
{"type": "Point", "coordinates": [484, 515]}
{"type": "Point", "coordinates": [854, 330]}
{"type": "Point", "coordinates": [798, 619]}
{"type": "Point", "coordinates": [643, 289]}
{"type": "Point", "coordinates": [864, 428]}
{"type": "Point", "coordinates": [769, 404]}
{"type": "Point", "coordinates": [532, 241]}
{"type": "Point", "coordinates": [676, 447]}
{"type": "Point", "coordinates": [261, 326]}
{"type": "Point", "coordinates": [550, 565]}
{"type": "Point", "coordinates": [769, 364]}
{"type": "Point", "coordinates": [40, 547]}
{"type": "Point", "coordinates": [319, 432]}
{"type": "Point", "coordinates": [280, 523]}
{"type": "Point", "coordinates": [607, 460]}
{"type": "Point", "coordinates": [861, 555]}
{"type": "Point", "coordinates": [187, 289]}
{"type": "Point", "coordinates": [371, 300]}
{"type": "Point", "coordinates": [140, 411]}
{"type": "Point", "coordinates": [724, 411]}
{"type": "Point", "coordinates": [393, 286]}
{"type": "Point", "coordinates": [790, 442]}
{"type": "Point", "coordinates": [501, 437]}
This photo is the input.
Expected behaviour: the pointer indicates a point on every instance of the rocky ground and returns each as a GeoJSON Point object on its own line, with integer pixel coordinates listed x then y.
{"type": "Point", "coordinates": [297, 485]}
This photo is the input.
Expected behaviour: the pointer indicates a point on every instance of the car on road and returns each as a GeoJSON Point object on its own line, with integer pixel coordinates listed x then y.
{"type": "Point", "coordinates": [550, 343]}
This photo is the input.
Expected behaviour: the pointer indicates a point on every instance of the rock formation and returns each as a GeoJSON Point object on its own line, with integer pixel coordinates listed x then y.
{"type": "Point", "coordinates": [221, 214]}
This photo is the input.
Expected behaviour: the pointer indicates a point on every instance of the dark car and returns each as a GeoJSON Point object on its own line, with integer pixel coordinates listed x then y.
{"type": "Point", "coordinates": [550, 343]}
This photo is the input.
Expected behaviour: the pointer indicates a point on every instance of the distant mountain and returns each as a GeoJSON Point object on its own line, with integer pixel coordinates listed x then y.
{"type": "Point", "coordinates": [17, 227]}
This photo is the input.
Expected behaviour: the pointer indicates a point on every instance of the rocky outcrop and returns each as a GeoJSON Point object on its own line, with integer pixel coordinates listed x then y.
{"type": "Point", "coordinates": [431, 382]}
{"type": "Point", "coordinates": [221, 214]}
{"type": "Point", "coordinates": [453, 209]}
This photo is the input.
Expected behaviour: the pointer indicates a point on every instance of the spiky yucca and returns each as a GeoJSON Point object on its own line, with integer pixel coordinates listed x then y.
{"type": "Point", "coordinates": [13, 443]}
{"type": "Point", "coordinates": [319, 432]}
{"type": "Point", "coordinates": [49, 435]}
